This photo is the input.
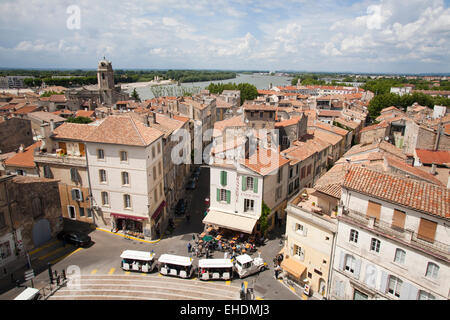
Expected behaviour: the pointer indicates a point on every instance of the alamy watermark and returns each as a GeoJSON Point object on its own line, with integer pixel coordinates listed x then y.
{"type": "Point", "coordinates": [73, 22]}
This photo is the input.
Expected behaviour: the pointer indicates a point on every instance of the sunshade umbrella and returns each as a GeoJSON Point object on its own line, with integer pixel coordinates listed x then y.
{"type": "Point", "coordinates": [207, 238]}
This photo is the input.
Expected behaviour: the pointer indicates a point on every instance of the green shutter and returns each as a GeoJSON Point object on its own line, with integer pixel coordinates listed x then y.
{"type": "Point", "coordinates": [223, 178]}
{"type": "Point", "coordinates": [228, 196]}
{"type": "Point", "coordinates": [244, 183]}
{"type": "Point", "coordinates": [255, 185]}
{"type": "Point", "coordinates": [218, 194]}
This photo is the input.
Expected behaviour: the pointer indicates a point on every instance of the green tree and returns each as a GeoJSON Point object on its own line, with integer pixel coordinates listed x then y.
{"type": "Point", "coordinates": [79, 120]}
{"type": "Point", "coordinates": [263, 222]}
{"type": "Point", "coordinates": [135, 95]}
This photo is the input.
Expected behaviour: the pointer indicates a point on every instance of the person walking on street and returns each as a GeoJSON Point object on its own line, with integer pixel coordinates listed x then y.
{"type": "Point", "coordinates": [189, 247]}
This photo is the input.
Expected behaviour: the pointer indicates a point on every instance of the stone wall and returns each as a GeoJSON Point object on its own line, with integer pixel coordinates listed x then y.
{"type": "Point", "coordinates": [33, 199]}
{"type": "Point", "coordinates": [13, 133]}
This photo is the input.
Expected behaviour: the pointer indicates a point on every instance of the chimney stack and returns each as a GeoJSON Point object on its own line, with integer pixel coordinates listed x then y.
{"type": "Point", "coordinates": [433, 169]}
{"type": "Point", "coordinates": [154, 117]}
{"type": "Point", "coordinates": [52, 125]}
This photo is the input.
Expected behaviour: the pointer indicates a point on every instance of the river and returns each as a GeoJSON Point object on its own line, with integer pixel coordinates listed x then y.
{"type": "Point", "coordinates": [258, 80]}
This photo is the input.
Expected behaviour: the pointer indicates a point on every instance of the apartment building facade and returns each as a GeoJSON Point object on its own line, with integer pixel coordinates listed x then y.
{"type": "Point", "coordinates": [126, 172]}
{"type": "Point", "coordinates": [392, 239]}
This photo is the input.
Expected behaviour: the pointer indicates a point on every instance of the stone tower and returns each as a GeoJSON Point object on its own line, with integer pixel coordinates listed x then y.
{"type": "Point", "coordinates": [105, 79]}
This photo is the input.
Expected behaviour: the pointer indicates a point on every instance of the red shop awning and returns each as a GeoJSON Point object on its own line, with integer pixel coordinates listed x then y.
{"type": "Point", "coordinates": [158, 211]}
{"type": "Point", "coordinates": [125, 216]}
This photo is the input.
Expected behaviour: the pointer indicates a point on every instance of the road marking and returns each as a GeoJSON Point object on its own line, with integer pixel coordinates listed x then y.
{"type": "Point", "coordinates": [228, 282]}
{"type": "Point", "coordinates": [143, 274]}
{"type": "Point", "coordinates": [111, 271]}
{"type": "Point", "coordinates": [94, 271]}
{"type": "Point", "coordinates": [129, 237]}
{"type": "Point", "coordinates": [128, 272]}
{"type": "Point", "coordinates": [65, 256]}
{"type": "Point", "coordinates": [292, 289]}
{"type": "Point", "coordinates": [258, 298]}
{"type": "Point", "coordinates": [160, 275]}
{"type": "Point", "coordinates": [51, 253]}
{"type": "Point", "coordinates": [43, 247]}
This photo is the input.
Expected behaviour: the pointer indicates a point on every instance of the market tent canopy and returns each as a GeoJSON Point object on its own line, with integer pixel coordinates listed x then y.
{"type": "Point", "coordinates": [230, 221]}
{"type": "Point", "coordinates": [207, 238]}
{"type": "Point", "coordinates": [293, 267]}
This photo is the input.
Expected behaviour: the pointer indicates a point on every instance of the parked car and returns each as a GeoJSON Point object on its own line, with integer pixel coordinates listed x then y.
{"type": "Point", "coordinates": [191, 184]}
{"type": "Point", "coordinates": [180, 207]}
{"type": "Point", "coordinates": [76, 238]}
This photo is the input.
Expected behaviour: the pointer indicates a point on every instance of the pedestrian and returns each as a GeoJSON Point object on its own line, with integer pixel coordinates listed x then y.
{"type": "Point", "coordinates": [225, 255]}
{"type": "Point", "coordinates": [189, 247]}
{"type": "Point", "coordinates": [277, 271]}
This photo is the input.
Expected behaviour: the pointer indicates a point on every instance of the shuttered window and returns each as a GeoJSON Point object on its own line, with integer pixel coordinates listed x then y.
{"type": "Point", "coordinates": [373, 210]}
{"type": "Point", "coordinates": [427, 230]}
{"type": "Point", "coordinates": [398, 219]}
{"type": "Point", "coordinates": [223, 178]}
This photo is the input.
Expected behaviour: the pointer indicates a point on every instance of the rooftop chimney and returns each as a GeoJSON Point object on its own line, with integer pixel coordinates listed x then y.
{"type": "Point", "coordinates": [433, 169]}
{"type": "Point", "coordinates": [52, 124]}
{"type": "Point", "coordinates": [154, 117]}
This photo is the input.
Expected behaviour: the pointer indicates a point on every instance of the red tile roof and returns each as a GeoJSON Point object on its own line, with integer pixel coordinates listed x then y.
{"type": "Point", "coordinates": [58, 98]}
{"type": "Point", "coordinates": [430, 157]}
{"type": "Point", "coordinates": [264, 161]}
{"type": "Point", "coordinates": [25, 158]}
{"type": "Point", "coordinates": [73, 131]}
{"type": "Point", "coordinates": [124, 130]}
{"type": "Point", "coordinates": [85, 113]}
{"type": "Point", "coordinates": [417, 195]}
{"type": "Point", "coordinates": [414, 171]}
{"type": "Point", "coordinates": [381, 125]}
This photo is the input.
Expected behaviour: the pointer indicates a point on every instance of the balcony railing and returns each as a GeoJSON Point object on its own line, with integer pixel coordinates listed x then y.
{"type": "Point", "coordinates": [408, 236]}
{"type": "Point", "coordinates": [59, 159]}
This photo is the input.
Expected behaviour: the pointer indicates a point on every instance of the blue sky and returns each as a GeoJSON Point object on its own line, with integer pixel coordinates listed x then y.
{"type": "Point", "coordinates": [356, 36]}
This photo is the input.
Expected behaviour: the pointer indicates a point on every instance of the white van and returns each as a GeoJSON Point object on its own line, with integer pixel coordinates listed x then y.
{"type": "Point", "coordinates": [246, 266]}
{"type": "Point", "coordinates": [215, 269]}
{"type": "Point", "coordinates": [178, 266]}
{"type": "Point", "coordinates": [28, 294]}
{"type": "Point", "coordinates": [141, 261]}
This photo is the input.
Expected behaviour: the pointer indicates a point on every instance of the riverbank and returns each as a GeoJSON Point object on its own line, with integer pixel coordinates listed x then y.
{"type": "Point", "coordinates": [133, 85]}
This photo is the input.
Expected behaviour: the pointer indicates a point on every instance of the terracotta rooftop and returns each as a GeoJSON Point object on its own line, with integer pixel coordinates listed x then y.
{"type": "Point", "coordinates": [430, 157]}
{"type": "Point", "coordinates": [329, 113]}
{"type": "Point", "coordinates": [124, 130]}
{"type": "Point", "coordinates": [231, 122]}
{"type": "Point", "coordinates": [24, 159]}
{"type": "Point", "coordinates": [391, 108]}
{"type": "Point", "coordinates": [73, 131]}
{"type": "Point", "coordinates": [85, 113]}
{"type": "Point", "coordinates": [288, 122]}
{"type": "Point", "coordinates": [326, 136]}
{"type": "Point", "coordinates": [406, 168]}
{"type": "Point", "coordinates": [375, 147]}
{"type": "Point", "coordinates": [264, 161]}
{"type": "Point", "coordinates": [26, 109]}
{"type": "Point", "coordinates": [58, 98]}
{"type": "Point", "coordinates": [381, 125]}
{"type": "Point", "coordinates": [257, 107]}
{"type": "Point", "coordinates": [421, 196]}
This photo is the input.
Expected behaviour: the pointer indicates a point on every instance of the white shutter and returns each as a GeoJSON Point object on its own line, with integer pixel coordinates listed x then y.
{"type": "Point", "coordinates": [383, 281]}
{"type": "Point", "coordinates": [342, 261]}
{"type": "Point", "coordinates": [357, 268]}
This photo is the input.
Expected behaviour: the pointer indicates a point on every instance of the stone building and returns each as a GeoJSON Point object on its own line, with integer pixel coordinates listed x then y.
{"type": "Point", "coordinates": [30, 215]}
{"type": "Point", "coordinates": [15, 132]}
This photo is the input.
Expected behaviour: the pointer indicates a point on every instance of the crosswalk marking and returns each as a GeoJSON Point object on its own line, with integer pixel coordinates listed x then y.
{"type": "Point", "coordinates": [111, 271]}
{"type": "Point", "coordinates": [94, 271]}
